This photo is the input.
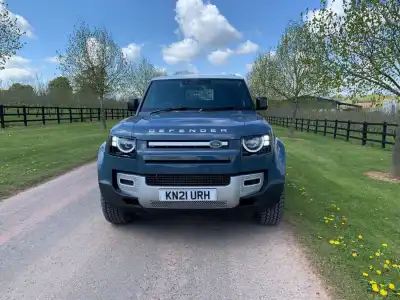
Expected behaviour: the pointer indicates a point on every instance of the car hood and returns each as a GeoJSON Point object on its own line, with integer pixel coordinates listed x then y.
{"type": "Point", "coordinates": [193, 125]}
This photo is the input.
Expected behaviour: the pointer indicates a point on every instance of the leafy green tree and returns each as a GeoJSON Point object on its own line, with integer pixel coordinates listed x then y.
{"type": "Point", "coordinates": [93, 59]}
{"type": "Point", "coordinates": [139, 77]}
{"type": "Point", "coordinates": [362, 49]}
{"type": "Point", "coordinates": [10, 35]}
{"type": "Point", "coordinates": [295, 70]}
{"type": "Point", "coordinates": [19, 93]}
{"type": "Point", "coordinates": [60, 91]}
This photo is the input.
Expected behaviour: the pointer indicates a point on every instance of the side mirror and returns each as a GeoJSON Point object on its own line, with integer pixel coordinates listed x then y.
{"type": "Point", "coordinates": [133, 104]}
{"type": "Point", "coordinates": [261, 103]}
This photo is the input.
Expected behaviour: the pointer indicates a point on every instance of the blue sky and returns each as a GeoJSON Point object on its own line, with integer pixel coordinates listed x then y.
{"type": "Point", "coordinates": [205, 36]}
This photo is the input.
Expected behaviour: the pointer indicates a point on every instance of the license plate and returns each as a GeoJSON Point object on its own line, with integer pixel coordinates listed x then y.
{"type": "Point", "coordinates": [187, 194]}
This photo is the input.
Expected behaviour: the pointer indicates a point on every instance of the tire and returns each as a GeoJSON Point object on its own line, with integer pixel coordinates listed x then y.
{"type": "Point", "coordinates": [272, 215]}
{"type": "Point", "coordinates": [115, 215]}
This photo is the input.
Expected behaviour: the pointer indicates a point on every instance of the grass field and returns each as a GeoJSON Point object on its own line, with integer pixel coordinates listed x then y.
{"type": "Point", "coordinates": [29, 155]}
{"type": "Point", "coordinates": [349, 222]}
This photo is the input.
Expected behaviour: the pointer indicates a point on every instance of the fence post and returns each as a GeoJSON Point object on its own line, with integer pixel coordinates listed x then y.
{"type": "Point", "coordinates": [98, 114]}
{"type": "Point", "coordinates": [70, 114]}
{"type": "Point", "coordinates": [24, 114]}
{"type": "Point", "coordinates": [43, 116]}
{"type": "Point", "coordinates": [287, 121]}
{"type": "Point", "coordinates": [316, 126]}
{"type": "Point", "coordinates": [81, 113]}
{"type": "Point", "coordinates": [348, 130]}
{"type": "Point", "coordinates": [364, 133]}
{"type": "Point", "coordinates": [296, 124]}
{"type": "Point", "coordinates": [2, 113]}
{"type": "Point", "coordinates": [90, 114]}
{"type": "Point", "coordinates": [384, 133]}
{"type": "Point", "coordinates": [335, 129]}
{"type": "Point", "coordinates": [325, 125]}
{"type": "Point", "coordinates": [308, 125]}
{"type": "Point", "coordinates": [105, 113]}
{"type": "Point", "coordinates": [58, 115]}
{"type": "Point", "coordinates": [302, 121]}
{"type": "Point", "coordinates": [112, 113]}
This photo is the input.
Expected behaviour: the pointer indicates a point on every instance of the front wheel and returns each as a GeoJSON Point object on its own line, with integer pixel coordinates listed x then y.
{"type": "Point", "coordinates": [114, 214]}
{"type": "Point", "coordinates": [272, 215]}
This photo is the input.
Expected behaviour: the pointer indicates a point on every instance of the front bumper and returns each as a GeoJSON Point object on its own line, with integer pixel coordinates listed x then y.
{"type": "Point", "coordinates": [131, 191]}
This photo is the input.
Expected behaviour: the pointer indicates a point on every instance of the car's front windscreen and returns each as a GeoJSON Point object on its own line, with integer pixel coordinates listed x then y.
{"type": "Point", "coordinates": [197, 93]}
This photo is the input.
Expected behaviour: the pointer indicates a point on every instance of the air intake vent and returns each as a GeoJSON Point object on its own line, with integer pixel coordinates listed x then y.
{"type": "Point", "coordinates": [188, 180]}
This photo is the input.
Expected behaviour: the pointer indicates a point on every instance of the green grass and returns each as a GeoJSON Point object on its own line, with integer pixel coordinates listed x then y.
{"type": "Point", "coordinates": [325, 174]}
{"type": "Point", "coordinates": [30, 155]}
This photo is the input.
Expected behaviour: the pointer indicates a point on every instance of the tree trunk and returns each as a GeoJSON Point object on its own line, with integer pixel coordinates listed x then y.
{"type": "Point", "coordinates": [102, 114]}
{"type": "Point", "coordinates": [396, 152]}
{"type": "Point", "coordinates": [292, 126]}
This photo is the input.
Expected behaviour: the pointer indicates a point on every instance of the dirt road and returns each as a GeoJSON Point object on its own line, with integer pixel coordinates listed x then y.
{"type": "Point", "coordinates": [55, 244]}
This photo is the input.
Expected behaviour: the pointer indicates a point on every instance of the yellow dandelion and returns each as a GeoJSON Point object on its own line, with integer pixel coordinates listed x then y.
{"type": "Point", "coordinates": [331, 242]}
{"type": "Point", "coordinates": [371, 267]}
{"type": "Point", "coordinates": [377, 254]}
{"type": "Point", "coordinates": [386, 266]}
{"type": "Point", "coordinates": [372, 281]}
{"type": "Point", "coordinates": [337, 242]}
{"type": "Point", "coordinates": [360, 236]}
{"type": "Point", "coordinates": [392, 286]}
{"type": "Point", "coordinates": [379, 272]}
{"type": "Point", "coordinates": [384, 245]}
{"type": "Point", "coordinates": [343, 223]}
{"type": "Point", "coordinates": [383, 292]}
{"type": "Point", "coordinates": [370, 257]}
{"type": "Point", "coordinates": [365, 274]}
{"type": "Point", "coordinates": [375, 287]}
{"type": "Point", "coordinates": [354, 254]}
{"type": "Point", "coordinates": [387, 261]}
{"type": "Point", "coordinates": [326, 221]}
{"type": "Point", "coordinates": [395, 266]}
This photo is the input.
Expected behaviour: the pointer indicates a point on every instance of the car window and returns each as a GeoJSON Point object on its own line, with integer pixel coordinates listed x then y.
{"type": "Point", "coordinates": [197, 93]}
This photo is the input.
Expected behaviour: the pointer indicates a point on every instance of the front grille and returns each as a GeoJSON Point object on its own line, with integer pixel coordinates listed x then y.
{"type": "Point", "coordinates": [188, 180]}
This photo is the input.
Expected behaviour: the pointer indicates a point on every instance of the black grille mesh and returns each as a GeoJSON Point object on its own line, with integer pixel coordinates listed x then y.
{"type": "Point", "coordinates": [188, 180]}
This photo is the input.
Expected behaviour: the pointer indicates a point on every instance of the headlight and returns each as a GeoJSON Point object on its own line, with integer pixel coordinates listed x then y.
{"type": "Point", "coordinates": [255, 143]}
{"type": "Point", "coordinates": [123, 145]}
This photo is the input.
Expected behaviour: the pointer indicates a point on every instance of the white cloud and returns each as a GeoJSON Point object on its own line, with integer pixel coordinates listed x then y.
{"type": "Point", "coordinates": [52, 59]}
{"type": "Point", "coordinates": [182, 51]}
{"type": "Point", "coordinates": [132, 51]}
{"type": "Point", "coordinates": [247, 47]}
{"type": "Point", "coordinates": [220, 57]}
{"type": "Point", "coordinates": [17, 68]}
{"type": "Point", "coordinates": [202, 26]}
{"type": "Point", "coordinates": [22, 23]}
{"type": "Point", "coordinates": [334, 6]}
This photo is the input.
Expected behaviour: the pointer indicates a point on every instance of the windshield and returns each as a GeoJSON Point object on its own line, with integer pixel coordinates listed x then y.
{"type": "Point", "coordinates": [197, 93]}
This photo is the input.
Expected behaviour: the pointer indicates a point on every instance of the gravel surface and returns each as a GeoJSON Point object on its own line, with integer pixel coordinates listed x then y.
{"type": "Point", "coordinates": [55, 244]}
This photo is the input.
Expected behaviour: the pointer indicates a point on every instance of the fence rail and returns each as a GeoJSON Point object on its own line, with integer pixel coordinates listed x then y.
{"type": "Point", "coordinates": [383, 133]}
{"type": "Point", "coordinates": [13, 115]}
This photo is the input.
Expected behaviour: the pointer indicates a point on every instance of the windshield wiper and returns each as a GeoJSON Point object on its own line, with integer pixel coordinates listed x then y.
{"type": "Point", "coordinates": [227, 108]}
{"type": "Point", "coordinates": [181, 108]}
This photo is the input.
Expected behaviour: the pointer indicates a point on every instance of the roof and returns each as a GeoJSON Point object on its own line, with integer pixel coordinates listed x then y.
{"type": "Point", "coordinates": [197, 76]}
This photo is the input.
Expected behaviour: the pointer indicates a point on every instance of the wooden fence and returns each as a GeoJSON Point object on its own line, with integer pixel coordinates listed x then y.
{"type": "Point", "coordinates": [383, 133]}
{"type": "Point", "coordinates": [25, 115]}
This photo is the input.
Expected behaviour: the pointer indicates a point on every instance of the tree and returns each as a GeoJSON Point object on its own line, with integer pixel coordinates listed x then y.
{"type": "Point", "coordinates": [93, 59]}
{"type": "Point", "coordinates": [60, 91]}
{"type": "Point", "coordinates": [9, 35]}
{"type": "Point", "coordinates": [139, 77]}
{"type": "Point", "coordinates": [295, 70]}
{"type": "Point", "coordinates": [19, 93]}
{"type": "Point", "coordinates": [363, 49]}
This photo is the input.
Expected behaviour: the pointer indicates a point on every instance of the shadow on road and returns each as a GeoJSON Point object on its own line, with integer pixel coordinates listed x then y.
{"type": "Point", "coordinates": [199, 225]}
